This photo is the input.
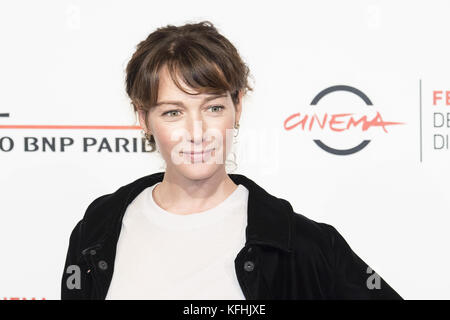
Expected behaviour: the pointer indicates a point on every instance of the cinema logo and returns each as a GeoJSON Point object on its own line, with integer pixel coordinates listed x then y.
{"type": "Point", "coordinates": [61, 144]}
{"type": "Point", "coordinates": [337, 122]}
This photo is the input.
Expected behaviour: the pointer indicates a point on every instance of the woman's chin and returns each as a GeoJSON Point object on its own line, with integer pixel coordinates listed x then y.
{"type": "Point", "coordinates": [198, 171]}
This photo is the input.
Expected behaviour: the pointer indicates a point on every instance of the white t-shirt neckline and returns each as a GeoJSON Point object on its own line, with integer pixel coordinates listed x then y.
{"type": "Point", "coordinates": [169, 220]}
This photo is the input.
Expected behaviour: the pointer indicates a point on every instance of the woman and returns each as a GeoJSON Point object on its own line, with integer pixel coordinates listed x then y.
{"type": "Point", "coordinates": [194, 231]}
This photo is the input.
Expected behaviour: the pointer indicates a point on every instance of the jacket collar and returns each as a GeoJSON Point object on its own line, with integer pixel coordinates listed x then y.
{"type": "Point", "coordinates": [269, 220]}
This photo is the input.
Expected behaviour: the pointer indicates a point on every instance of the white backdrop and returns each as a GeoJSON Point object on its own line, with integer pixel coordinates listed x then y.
{"type": "Point", "coordinates": [62, 64]}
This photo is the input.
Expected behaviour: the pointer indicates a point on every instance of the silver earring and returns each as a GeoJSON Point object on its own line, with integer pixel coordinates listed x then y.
{"type": "Point", "coordinates": [236, 126]}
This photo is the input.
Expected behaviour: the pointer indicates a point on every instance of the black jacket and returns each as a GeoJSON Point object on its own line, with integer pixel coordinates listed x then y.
{"type": "Point", "coordinates": [286, 255]}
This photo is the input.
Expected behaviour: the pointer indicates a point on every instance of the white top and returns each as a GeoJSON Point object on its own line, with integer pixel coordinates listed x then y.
{"type": "Point", "coordinates": [163, 255]}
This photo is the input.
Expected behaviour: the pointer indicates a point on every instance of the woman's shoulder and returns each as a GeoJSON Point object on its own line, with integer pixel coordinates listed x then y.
{"type": "Point", "coordinates": [117, 199]}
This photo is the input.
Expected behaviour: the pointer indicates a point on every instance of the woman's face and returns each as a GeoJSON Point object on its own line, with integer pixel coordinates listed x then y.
{"type": "Point", "coordinates": [194, 133]}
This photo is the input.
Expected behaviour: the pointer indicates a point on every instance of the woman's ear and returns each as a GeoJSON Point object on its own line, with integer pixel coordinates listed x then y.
{"type": "Point", "coordinates": [142, 120]}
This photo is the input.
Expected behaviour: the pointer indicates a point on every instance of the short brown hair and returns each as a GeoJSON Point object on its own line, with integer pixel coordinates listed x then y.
{"type": "Point", "coordinates": [197, 52]}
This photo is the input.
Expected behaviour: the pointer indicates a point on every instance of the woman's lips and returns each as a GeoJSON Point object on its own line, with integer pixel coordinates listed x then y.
{"type": "Point", "coordinates": [191, 152]}
{"type": "Point", "coordinates": [198, 156]}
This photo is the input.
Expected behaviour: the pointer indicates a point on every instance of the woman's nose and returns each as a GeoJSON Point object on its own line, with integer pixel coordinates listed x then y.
{"type": "Point", "coordinates": [197, 130]}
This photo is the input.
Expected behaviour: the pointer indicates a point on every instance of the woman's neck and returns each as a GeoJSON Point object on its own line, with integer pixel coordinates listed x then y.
{"type": "Point", "coordinates": [181, 195]}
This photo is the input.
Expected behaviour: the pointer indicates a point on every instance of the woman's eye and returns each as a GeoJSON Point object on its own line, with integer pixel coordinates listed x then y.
{"type": "Point", "coordinates": [217, 108]}
{"type": "Point", "coordinates": [174, 113]}
{"type": "Point", "coordinates": [170, 113]}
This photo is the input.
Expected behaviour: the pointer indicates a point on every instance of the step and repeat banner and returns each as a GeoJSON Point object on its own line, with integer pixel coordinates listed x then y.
{"type": "Point", "coordinates": [349, 121]}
